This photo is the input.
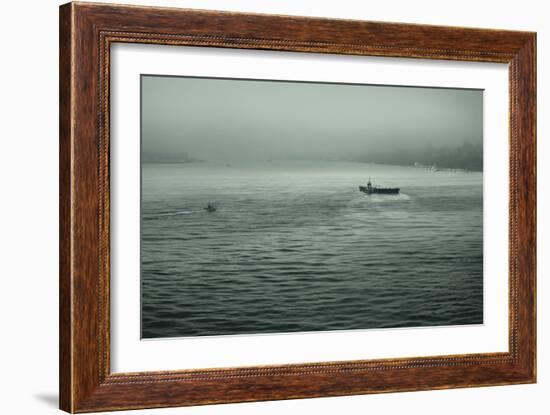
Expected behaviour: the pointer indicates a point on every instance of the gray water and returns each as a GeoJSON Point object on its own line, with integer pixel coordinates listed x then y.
{"type": "Point", "coordinates": [294, 246]}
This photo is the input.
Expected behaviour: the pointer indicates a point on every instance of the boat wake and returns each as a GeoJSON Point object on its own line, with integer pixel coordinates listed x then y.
{"type": "Point", "coordinates": [382, 198]}
{"type": "Point", "coordinates": [379, 199]}
{"type": "Point", "coordinates": [164, 214]}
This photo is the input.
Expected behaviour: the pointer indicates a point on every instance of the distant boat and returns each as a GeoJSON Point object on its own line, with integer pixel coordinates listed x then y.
{"type": "Point", "coordinates": [210, 208]}
{"type": "Point", "coordinates": [370, 189]}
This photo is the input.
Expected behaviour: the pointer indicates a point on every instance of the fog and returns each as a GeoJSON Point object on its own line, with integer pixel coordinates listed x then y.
{"type": "Point", "coordinates": [228, 120]}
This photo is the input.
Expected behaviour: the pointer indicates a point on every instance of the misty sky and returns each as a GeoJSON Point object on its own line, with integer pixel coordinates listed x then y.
{"type": "Point", "coordinates": [219, 119]}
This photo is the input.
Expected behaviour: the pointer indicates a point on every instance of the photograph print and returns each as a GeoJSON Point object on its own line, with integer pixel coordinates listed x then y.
{"type": "Point", "coordinates": [272, 206]}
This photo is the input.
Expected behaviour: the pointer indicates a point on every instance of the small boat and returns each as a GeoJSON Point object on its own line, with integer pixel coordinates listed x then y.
{"type": "Point", "coordinates": [370, 189]}
{"type": "Point", "coordinates": [210, 208]}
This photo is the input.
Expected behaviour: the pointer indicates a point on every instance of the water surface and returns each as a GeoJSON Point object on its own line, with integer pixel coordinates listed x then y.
{"type": "Point", "coordinates": [294, 246]}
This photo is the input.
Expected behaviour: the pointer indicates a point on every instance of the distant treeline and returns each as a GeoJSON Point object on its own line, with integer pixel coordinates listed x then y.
{"type": "Point", "coordinates": [468, 156]}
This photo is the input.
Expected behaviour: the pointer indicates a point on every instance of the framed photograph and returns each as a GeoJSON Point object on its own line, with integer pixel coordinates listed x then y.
{"type": "Point", "coordinates": [258, 207]}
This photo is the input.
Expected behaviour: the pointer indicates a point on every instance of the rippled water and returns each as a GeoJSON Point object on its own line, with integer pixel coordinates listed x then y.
{"type": "Point", "coordinates": [294, 246]}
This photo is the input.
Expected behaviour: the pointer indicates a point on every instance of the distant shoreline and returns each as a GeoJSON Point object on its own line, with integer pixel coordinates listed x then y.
{"type": "Point", "coordinates": [172, 161]}
{"type": "Point", "coordinates": [434, 168]}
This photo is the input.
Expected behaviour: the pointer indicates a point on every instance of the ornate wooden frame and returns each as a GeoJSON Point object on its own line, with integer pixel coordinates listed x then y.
{"type": "Point", "coordinates": [86, 33]}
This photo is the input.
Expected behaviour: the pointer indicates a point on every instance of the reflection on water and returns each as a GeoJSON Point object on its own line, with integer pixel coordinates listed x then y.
{"type": "Point", "coordinates": [294, 246]}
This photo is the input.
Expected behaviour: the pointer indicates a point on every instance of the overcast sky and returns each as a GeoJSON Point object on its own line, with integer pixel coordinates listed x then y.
{"type": "Point", "coordinates": [220, 119]}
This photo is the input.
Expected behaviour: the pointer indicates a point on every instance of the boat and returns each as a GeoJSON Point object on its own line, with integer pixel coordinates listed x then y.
{"type": "Point", "coordinates": [370, 189]}
{"type": "Point", "coordinates": [210, 208]}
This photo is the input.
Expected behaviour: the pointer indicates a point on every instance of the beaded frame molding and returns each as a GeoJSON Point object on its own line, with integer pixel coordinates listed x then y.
{"type": "Point", "coordinates": [86, 32]}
